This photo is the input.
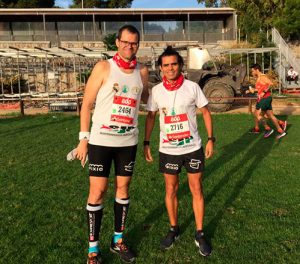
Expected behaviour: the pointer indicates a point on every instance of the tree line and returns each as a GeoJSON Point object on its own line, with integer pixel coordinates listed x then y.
{"type": "Point", "coordinates": [259, 16]}
{"type": "Point", "coordinates": [76, 3]}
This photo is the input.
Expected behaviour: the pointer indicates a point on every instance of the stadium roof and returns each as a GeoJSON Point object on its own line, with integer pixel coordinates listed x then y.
{"type": "Point", "coordinates": [115, 14]}
{"type": "Point", "coordinates": [114, 11]}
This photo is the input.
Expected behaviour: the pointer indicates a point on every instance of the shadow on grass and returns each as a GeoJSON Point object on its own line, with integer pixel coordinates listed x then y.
{"type": "Point", "coordinates": [140, 230]}
{"type": "Point", "coordinates": [254, 156]}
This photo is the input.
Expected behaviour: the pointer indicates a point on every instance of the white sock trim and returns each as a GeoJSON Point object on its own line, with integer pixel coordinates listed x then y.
{"type": "Point", "coordinates": [120, 201]}
{"type": "Point", "coordinates": [93, 244]}
{"type": "Point", "coordinates": [94, 208]}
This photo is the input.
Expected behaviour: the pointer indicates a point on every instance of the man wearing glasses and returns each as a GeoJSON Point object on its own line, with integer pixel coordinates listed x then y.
{"type": "Point", "coordinates": [116, 86]}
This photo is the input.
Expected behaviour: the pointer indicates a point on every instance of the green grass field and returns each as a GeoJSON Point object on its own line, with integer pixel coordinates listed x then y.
{"type": "Point", "coordinates": [251, 188]}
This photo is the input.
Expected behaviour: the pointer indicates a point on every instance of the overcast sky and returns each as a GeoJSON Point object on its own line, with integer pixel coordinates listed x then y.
{"type": "Point", "coordinates": [147, 3]}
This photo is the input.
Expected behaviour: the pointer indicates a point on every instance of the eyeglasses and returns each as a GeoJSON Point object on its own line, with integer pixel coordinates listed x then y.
{"type": "Point", "coordinates": [127, 43]}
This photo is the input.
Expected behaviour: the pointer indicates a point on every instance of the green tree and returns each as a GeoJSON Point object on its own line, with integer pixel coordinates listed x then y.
{"type": "Point", "coordinates": [288, 22]}
{"type": "Point", "coordinates": [213, 3]}
{"type": "Point", "coordinates": [26, 3]}
{"type": "Point", "coordinates": [110, 41]}
{"type": "Point", "coordinates": [256, 17]}
{"type": "Point", "coordinates": [102, 3]}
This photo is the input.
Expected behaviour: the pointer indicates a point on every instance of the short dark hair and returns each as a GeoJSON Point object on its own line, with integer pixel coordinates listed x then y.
{"type": "Point", "coordinates": [129, 28]}
{"type": "Point", "coordinates": [169, 51]}
{"type": "Point", "coordinates": [256, 66]}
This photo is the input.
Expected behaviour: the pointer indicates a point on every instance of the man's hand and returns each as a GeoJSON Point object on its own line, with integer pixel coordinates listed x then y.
{"type": "Point", "coordinates": [147, 153]}
{"type": "Point", "coordinates": [82, 150]}
{"type": "Point", "coordinates": [209, 149]}
{"type": "Point", "coordinates": [251, 90]}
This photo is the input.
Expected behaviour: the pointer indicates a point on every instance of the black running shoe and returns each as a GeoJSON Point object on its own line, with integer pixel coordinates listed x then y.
{"type": "Point", "coordinates": [124, 252]}
{"type": "Point", "coordinates": [204, 248]}
{"type": "Point", "coordinates": [168, 241]}
{"type": "Point", "coordinates": [94, 259]}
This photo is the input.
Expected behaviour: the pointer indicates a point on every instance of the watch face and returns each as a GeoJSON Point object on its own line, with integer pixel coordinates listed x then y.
{"type": "Point", "coordinates": [213, 139]}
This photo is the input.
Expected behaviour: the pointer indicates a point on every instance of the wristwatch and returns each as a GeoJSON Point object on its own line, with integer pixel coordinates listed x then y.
{"type": "Point", "coordinates": [213, 139]}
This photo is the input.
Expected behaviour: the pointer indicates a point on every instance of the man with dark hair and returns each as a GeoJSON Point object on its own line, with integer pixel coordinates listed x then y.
{"type": "Point", "coordinates": [264, 103]}
{"type": "Point", "coordinates": [131, 29]}
{"type": "Point", "coordinates": [117, 86]}
{"type": "Point", "coordinates": [292, 75]}
{"type": "Point", "coordinates": [177, 100]}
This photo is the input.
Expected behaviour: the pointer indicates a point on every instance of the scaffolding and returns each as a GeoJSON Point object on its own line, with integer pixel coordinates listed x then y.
{"type": "Point", "coordinates": [47, 72]}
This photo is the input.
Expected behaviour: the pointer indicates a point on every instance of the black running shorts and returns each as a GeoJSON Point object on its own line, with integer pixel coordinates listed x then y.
{"type": "Point", "coordinates": [101, 157]}
{"type": "Point", "coordinates": [171, 164]}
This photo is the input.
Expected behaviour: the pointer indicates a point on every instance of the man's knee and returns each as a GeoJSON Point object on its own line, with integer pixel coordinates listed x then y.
{"type": "Point", "coordinates": [122, 189]}
{"type": "Point", "coordinates": [196, 190]}
{"type": "Point", "coordinates": [96, 195]}
{"type": "Point", "coordinates": [171, 190]}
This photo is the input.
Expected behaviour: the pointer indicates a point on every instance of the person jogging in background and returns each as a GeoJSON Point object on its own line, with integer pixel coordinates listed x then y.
{"type": "Point", "coordinates": [256, 129]}
{"type": "Point", "coordinates": [116, 85]}
{"type": "Point", "coordinates": [177, 100]}
{"type": "Point", "coordinates": [264, 104]}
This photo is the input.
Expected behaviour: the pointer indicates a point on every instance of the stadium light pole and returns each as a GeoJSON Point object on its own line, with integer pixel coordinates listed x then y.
{"type": "Point", "coordinates": [83, 26]}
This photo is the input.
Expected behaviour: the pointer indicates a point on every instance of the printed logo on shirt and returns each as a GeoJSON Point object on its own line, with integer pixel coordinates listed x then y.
{"type": "Point", "coordinates": [117, 130]}
{"type": "Point", "coordinates": [135, 90]}
{"type": "Point", "coordinates": [194, 163]}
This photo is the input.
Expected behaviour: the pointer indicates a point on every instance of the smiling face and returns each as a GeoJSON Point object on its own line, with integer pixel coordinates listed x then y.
{"type": "Point", "coordinates": [127, 45]}
{"type": "Point", "coordinates": [170, 67]}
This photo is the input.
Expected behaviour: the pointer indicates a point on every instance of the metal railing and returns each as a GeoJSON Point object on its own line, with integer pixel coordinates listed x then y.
{"type": "Point", "coordinates": [285, 50]}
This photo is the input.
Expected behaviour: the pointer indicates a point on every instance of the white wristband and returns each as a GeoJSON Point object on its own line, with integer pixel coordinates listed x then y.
{"type": "Point", "coordinates": [84, 135]}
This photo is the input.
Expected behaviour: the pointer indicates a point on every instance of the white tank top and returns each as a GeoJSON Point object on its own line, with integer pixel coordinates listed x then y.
{"type": "Point", "coordinates": [116, 110]}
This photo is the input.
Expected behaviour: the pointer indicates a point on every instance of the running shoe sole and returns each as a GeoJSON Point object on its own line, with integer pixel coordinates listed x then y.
{"type": "Point", "coordinates": [117, 252]}
{"type": "Point", "coordinates": [281, 135]}
{"type": "Point", "coordinates": [284, 126]}
{"type": "Point", "coordinates": [197, 244]}
{"type": "Point", "coordinates": [269, 133]}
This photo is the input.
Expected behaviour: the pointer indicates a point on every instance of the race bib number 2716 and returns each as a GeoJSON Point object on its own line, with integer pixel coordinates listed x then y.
{"type": "Point", "coordinates": [177, 127]}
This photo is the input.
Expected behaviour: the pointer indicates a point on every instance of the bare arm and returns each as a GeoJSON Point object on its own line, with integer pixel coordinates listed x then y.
{"type": "Point", "coordinates": [209, 149]}
{"type": "Point", "coordinates": [144, 76]}
{"type": "Point", "coordinates": [95, 81]}
{"type": "Point", "coordinates": [150, 121]}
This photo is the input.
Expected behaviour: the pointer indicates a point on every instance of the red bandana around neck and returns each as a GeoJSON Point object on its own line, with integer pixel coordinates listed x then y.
{"type": "Point", "coordinates": [125, 64]}
{"type": "Point", "coordinates": [172, 86]}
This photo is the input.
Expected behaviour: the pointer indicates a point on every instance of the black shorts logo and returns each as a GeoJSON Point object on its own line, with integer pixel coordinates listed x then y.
{"type": "Point", "coordinates": [171, 166]}
{"type": "Point", "coordinates": [130, 166]}
{"type": "Point", "coordinates": [195, 163]}
{"type": "Point", "coordinates": [95, 167]}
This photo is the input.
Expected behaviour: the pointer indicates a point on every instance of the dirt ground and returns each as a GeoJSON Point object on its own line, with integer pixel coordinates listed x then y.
{"type": "Point", "coordinates": [280, 107]}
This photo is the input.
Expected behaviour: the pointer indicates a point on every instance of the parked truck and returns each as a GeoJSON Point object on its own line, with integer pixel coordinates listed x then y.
{"type": "Point", "coordinates": [219, 82]}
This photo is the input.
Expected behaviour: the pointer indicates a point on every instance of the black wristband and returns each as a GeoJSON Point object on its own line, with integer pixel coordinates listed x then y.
{"type": "Point", "coordinates": [146, 142]}
{"type": "Point", "coordinates": [213, 139]}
